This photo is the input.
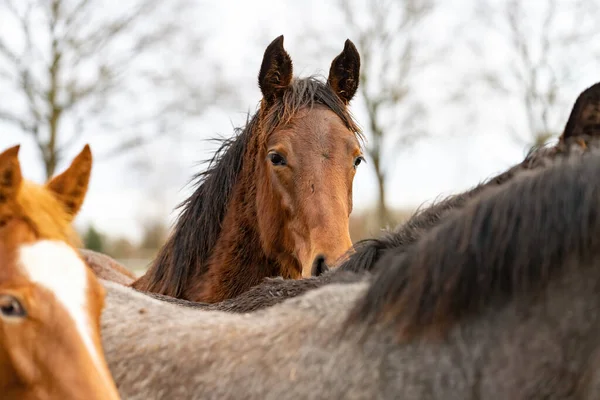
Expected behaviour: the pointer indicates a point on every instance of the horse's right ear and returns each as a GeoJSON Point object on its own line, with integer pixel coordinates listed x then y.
{"type": "Point", "coordinates": [71, 186]}
{"type": "Point", "coordinates": [585, 115]}
{"type": "Point", "coordinates": [10, 174]}
{"type": "Point", "coordinates": [275, 72]}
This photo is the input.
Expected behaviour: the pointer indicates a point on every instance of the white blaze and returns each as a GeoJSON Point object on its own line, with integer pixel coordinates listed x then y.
{"type": "Point", "coordinates": [56, 266]}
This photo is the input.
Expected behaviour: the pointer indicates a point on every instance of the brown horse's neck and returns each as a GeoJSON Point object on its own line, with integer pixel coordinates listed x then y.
{"type": "Point", "coordinates": [238, 260]}
{"type": "Point", "coordinates": [237, 263]}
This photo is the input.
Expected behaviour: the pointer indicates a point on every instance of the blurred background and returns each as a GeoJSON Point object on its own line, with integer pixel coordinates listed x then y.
{"type": "Point", "coordinates": [450, 93]}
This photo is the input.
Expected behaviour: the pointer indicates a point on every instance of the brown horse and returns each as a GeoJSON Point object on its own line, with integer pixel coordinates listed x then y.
{"type": "Point", "coordinates": [50, 301]}
{"type": "Point", "coordinates": [277, 197]}
{"type": "Point", "coordinates": [499, 300]}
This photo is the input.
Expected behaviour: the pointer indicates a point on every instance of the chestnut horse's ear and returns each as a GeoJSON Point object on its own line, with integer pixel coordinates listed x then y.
{"type": "Point", "coordinates": [275, 72]}
{"type": "Point", "coordinates": [585, 116]}
{"type": "Point", "coordinates": [71, 186]}
{"type": "Point", "coordinates": [10, 174]}
{"type": "Point", "coordinates": [344, 73]}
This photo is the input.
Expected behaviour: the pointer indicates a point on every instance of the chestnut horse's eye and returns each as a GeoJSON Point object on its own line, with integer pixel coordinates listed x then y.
{"type": "Point", "coordinates": [10, 307]}
{"type": "Point", "coordinates": [276, 159]}
{"type": "Point", "coordinates": [358, 160]}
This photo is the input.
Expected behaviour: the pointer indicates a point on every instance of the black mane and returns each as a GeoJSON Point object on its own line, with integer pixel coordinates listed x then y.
{"type": "Point", "coordinates": [369, 251]}
{"type": "Point", "coordinates": [511, 239]}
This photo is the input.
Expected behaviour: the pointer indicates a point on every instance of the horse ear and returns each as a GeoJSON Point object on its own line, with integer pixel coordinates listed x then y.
{"type": "Point", "coordinates": [344, 73]}
{"type": "Point", "coordinates": [585, 115]}
{"type": "Point", "coordinates": [71, 186]}
{"type": "Point", "coordinates": [275, 72]}
{"type": "Point", "coordinates": [10, 174]}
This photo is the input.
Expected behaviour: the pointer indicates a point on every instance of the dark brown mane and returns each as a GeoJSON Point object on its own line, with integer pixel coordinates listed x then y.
{"type": "Point", "coordinates": [511, 239]}
{"type": "Point", "coordinates": [199, 225]}
{"type": "Point", "coordinates": [368, 251]}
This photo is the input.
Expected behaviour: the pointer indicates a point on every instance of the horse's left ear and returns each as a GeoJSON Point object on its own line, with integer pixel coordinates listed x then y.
{"type": "Point", "coordinates": [275, 72]}
{"type": "Point", "coordinates": [71, 186]}
{"type": "Point", "coordinates": [344, 73]}
{"type": "Point", "coordinates": [10, 174]}
{"type": "Point", "coordinates": [585, 115]}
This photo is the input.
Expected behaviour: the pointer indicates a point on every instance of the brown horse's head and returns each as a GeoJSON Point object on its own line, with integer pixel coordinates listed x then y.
{"type": "Point", "coordinates": [277, 197]}
{"type": "Point", "coordinates": [307, 158]}
{"type": "Point", "coordinates": [50, 302]}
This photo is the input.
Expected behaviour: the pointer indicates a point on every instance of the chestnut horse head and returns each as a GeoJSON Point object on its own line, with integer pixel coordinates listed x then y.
{"type": "Point", "coordinates": [277, 197]}
{"type": "Point", "coordinates": [50, 208]}
{"type": "Point", "coordinates": [50, 302]}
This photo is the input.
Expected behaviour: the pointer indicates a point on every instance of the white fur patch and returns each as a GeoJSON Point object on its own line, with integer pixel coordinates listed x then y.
{"type": "Point", "coordinates": [56, 266]}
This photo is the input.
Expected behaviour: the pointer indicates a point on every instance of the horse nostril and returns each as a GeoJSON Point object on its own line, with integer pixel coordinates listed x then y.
{"type": "Point", "coordinates": [319, 266]}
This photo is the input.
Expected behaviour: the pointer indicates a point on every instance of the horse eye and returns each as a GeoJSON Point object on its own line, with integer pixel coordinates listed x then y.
{"type": "Point", "coordinates": [276, 159]}
{"type": "Point", "coordinates": [10, 307]}
{"type": "Point", "coordinates": [358, 160]}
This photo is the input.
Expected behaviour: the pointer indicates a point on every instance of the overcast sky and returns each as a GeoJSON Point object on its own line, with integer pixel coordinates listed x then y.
{"type": "Point", "coordinates": [457, 157]}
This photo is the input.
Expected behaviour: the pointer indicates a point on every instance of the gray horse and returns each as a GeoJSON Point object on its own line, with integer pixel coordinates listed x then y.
{"type": "Point", "coordinates": [500, 300]}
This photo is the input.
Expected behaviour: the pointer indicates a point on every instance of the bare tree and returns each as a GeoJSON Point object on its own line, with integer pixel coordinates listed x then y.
{"type": "Point", "coordinates": [68, 65]}
{"type": "Point", "coordinates": [548, 46]}
{"type": "Point", "coordinates": [388, 34]}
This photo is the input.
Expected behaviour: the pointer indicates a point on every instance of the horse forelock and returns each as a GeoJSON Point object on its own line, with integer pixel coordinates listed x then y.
{"type": "Point", "coordinates": [46, 214]}
{"type": "Point", "coordinates": [306, 93]}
